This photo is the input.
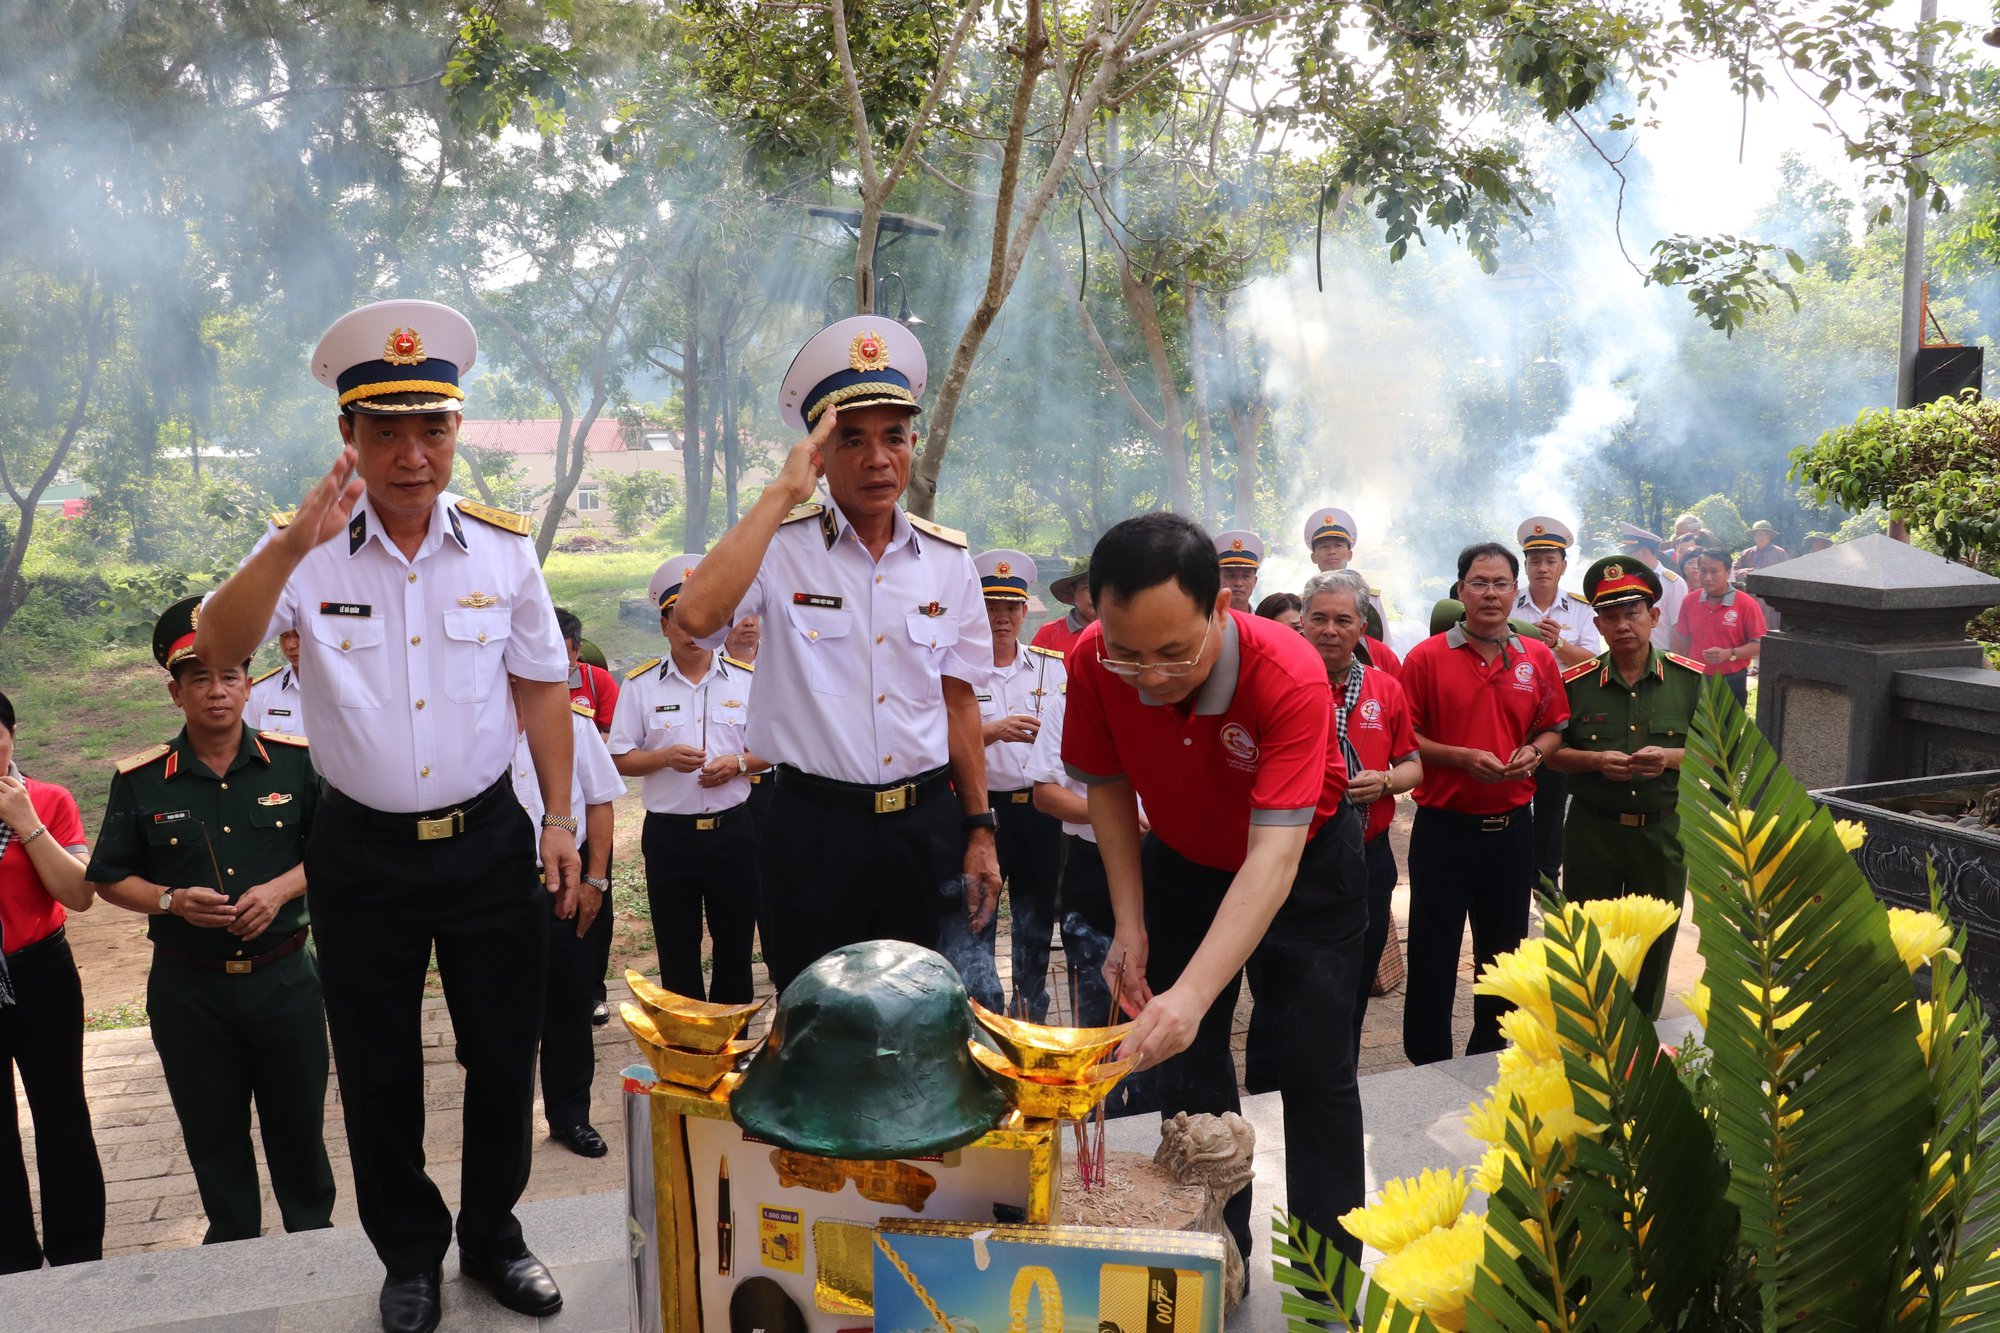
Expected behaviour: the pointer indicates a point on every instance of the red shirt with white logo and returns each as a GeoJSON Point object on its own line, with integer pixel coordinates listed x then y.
{"type": "Point", "coordinates": [1730, 621]}
{"type": "Point", "coordinates": [1254, 745]}
{"type": "Point", "coordinates": [597, 690]}
{"type": "Point", "coordinates": [1380, 732]}
{"type": "Point", "coordinates": [1459, 698]}
{"type": "Point", "coordinates": [1381, 655]}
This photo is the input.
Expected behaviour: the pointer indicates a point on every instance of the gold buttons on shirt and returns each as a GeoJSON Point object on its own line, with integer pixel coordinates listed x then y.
{"type": "Point", "coordinates": [173, 842]}
{"type": "Point", "coordinates": [482, 636]}
{"type": "Point", "coordinates": [879, 638]}
{"type": "Point", "coordinates": [416, 639]}
{"type": "Point", "coordinates": [886, 758]}
{"type": "Point", "coordinates": [413, 576]}
{"type": "Point", "coordinates": [225, 828]}
{"type": "Point", "coordinates": [881, 698]}
{"type": "Point", "coordinates": [230, 871]}
{"type": "Point", "coordinates": [424, 772]}
{"type": "Point", "coordinates": [346, 643]}
{"type": "Point", "coordinates": [812, 634]}
{"type": "Point", "coordinates": [225, 786]}
{"type": "Point", "coordinates": [420, 705]}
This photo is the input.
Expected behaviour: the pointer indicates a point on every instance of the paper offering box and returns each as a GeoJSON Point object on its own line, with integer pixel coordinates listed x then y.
{"type": "Point", "coordinates": [718, 1218]}
{"type": "Point", "coordinates": [981, 1279]}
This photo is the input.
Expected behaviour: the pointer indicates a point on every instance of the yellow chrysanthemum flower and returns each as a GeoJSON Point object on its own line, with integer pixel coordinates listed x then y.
{"type": "Point", "coordinates": [1697, 1003]}
{"type": "Point", "coordinates": [1529, 1035]}
{"type": "Point", "coordinates": [1544, 1091]}
{"type": "Point", "coordinates": [1409, 1209]}
{"type": "Point", "coordinates": [1852, 833]}
{"type": "Point", "coordinates": [1635, 916]}
{"type": "Point", "coordinates": [1627, 953]}
{"type": "Point", "coordinates": [1433, 1274]}
{"type": "Point", "coordinates": [1492, 1169]}
{"type": "Point", "coordinates": [1521, 977]}
{"type": "Point", "coordinates": [1919, 935]}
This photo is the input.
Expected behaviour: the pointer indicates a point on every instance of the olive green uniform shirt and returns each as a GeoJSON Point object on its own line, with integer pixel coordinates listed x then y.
{"type": "Point", "coordinates": [174, 822]}
{"type": "Point", "coordinates": [1605, 713]}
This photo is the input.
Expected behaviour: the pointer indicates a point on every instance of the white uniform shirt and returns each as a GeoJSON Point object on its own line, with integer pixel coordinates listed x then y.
{"type": "Point", "coordinates": [1034, 678]}
{"type": "Point", "coordinates": [593, 780]}
{"type": "Point", "coordinates": [276, 704]}
{"type": "Point", "coordinates": [1572, 613]}
{"type": "Point", "coordinates": [1045, 758]}
{"type": "Point", "coordinates": [658, 707]}
{"type": "Point", "coordinates": [854, 649]}
{"type": "Point", "coordinates": [403, 664]}
{"type": "Point", "coordinates": [1673, 591]}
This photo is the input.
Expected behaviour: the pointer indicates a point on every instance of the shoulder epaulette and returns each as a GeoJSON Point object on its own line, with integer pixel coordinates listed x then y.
{"type": "Point", "coordinates": [937, 530]}
{"type": "Point", "coordinates": [1580, 670]}
{"type": "Point", "coordinates": [133, 763]}
{"type": "Point", "coordinates": [642, 668]}
{"type": "Point", "coordinates": [1666, 573]}
{"type": "Point", "coordinates": [518, 524]}
{"type": "Point", "coordinates": [582, 709]}
{"type": "Point", "coordinates": [1374, 592]}
{"type": "Point", "coordinates": [801, 511]}
{"type": "Point", "coordinates": [282, 518]}
{"type": "Point", "coordinates": [285, 738]}
{"type": "Point", "coordinates": [259, 680]}
{"type": "Point", "coordinates": [1687, 662]}
{"type": "Point", "coordinates": [740, 666]}
{"type": "Point", "coordinates": [1046, 652]}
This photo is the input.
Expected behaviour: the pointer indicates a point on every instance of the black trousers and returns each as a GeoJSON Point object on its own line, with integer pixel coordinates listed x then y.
{"type": "Point", "coordinates": [1380, 859]}
{"type": "Point", "coordinates": [1551, 805]}
{"type": "Point", "coordinates": [575, 985]}
{"type": "Point", "coordinates": [1461, 869]}
{"type": "Point", "coordinates": [1030, 847]}
{"type": "Point", "coordinates": [1739, 685]}
{"type": "Point", "coordinates": [381, 901]}
{"type": "Point", "coordinates": [1303, 977]}
{"type": "Point", "coordinates": [1088, 924]}
{"type": "Point", "coordinates": [761, 793]}
{"type": "Point", "coordinates": [842, 874]}
{"type": "Point", "coordinates": [690, 872]}
{"type": "Point", "coordinates": [224, 1042]}
{"type": "Point", "coordinates": [41, 1034]}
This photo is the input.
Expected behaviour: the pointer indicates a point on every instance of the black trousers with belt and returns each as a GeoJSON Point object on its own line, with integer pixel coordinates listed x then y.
{"type": "Point", "coordinates": [1303, 979]}
{"type": "Point", "coordinates": [1380, 858]}
{"type": "Point", "coordinates": [1462, 866]}
{"type": "Point", "coordinates": [840, 874]}
{"type": "Point", "coordinates": [1088, 924]}
{"type": "Point", "coordinates": [381, 902]}
{"type": "Point", "coordinates": [693, 870]}
{"type": "Point", "coordinates": [1030, 845]}
{"type": "Point", "coordinates": [575, 983]}
{"type": "Point", "coordinates": [41, 1034]}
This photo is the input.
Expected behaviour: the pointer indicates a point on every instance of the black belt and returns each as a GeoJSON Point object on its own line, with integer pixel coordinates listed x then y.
{"type": "Point", "coordinates": [699, 823]}
{"type": "Point", "coordinates": [422, 825]}
{"type": "Point", "coordinates": [236, 967]}
{"type": "Point", "coordinates": [888, 799]}
{"type": "Point", "coordinates": [1013, 796]}
{"type": "Point", "coordinates": [1483, 823]}
{"type": "Point", "coordinates": [49, 941]}
{"type": "Point", "coordinates": [756, 779]}
{"type": "Point", "coordinates": [1627, 819]}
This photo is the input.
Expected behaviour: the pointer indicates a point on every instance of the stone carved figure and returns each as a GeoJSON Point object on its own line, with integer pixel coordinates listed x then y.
{"type": "Point", "coordinates": [1214, 1151]}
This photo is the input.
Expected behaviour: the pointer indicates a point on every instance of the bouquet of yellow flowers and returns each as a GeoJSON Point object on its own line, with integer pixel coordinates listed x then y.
{"type": "Point", "coordinates": [1838, 1170]}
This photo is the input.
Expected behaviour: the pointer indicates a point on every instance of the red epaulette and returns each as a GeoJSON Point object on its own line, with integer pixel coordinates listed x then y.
{"type": "Point", "coordinates": [1687, 662]}
{"type": "Point", "coordinates": [1582, 669]}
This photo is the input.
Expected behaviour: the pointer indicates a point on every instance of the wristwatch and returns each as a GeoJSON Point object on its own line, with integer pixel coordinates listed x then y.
{"type": "Point", "coordinates": [742, 764]}
{"type": "Point", "coordinates": [167, 900]}
{"type": "Point", "coordinates": [601, 885]}
{"type": "Point", "coordinates": [984, 819]}
{"type": "Point", "coordinates": [563, 822]}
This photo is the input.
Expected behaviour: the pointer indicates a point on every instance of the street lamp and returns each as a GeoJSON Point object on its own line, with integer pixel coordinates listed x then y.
{"type": "Point", "coordinates": [891, 229]}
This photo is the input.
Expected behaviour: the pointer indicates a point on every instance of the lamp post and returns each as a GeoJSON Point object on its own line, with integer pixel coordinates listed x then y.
{"type": "Point", "coordinates": [1915, 214]}
{"type": "Point", "coordinates": [891, 229]}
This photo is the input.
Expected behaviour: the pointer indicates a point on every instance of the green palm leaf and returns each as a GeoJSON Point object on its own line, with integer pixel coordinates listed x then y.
{"type": "Point", "coordinates": [1824, 1095]}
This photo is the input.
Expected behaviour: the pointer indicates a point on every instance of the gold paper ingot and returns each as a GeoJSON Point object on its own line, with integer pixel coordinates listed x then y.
{"type": "Point", "coordinates": [843, 1267]}
{"type": "Point", "coordinates": [1041, 1052]}
{"type": "Point", "coordinates": [692, 1025]}
{"type": "Point", "coordinates": [1038, 1098]}
{"type": "Point", "coordinates": [701, 1070]}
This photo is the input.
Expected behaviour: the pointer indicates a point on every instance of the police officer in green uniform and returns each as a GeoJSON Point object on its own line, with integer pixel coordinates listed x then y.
{"type": "Point", "coordinates": [205, 836]}
{"type": "Point", "coordinates": [1629, 713]}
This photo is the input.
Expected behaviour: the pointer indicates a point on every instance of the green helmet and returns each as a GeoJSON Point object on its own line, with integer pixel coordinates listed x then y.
{"type": "Point", "coordinates": [867, 1059]}
{"type": "Point", "coordinates": [586, 651]}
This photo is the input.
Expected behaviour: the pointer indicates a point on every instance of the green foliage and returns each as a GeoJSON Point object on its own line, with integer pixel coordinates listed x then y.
{"type": "Point", "coordinates": [1719, 514]}
{"type": "Point", "coordinates": [492, 78]}
{"type": "Point", "coordinates": [1323, 1289]}
{"type": "Point", "coordinates": [636, 497]}
{"type": "Point", "coordinates": [1728, 279]}
{"type": "Point", "coordinates": [1937, 467]}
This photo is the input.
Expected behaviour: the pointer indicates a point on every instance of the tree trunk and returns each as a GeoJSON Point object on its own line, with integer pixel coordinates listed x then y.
{"type": "Point", "coordinates": [694, 473]}
{"type": "Point", "coordinates": [1204, 440]}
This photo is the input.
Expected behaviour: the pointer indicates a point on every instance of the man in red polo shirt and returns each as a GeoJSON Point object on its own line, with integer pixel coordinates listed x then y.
{"type": "Point", "coordinates": [1722, 628]}
{"type": "Point", "coordinates": [1489, 708]}
{"type": "Point", "coordinates": [1222, 724]}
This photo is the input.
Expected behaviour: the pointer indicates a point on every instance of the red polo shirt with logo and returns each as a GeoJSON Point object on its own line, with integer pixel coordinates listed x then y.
{"type": "Point", "coordinates": [1727, 622]}
{"type": "Point", "coordinates": [1380, 732]}
{"type": "Point", "coordinates": [1382, 655]}
{"type": "Point", "coordinates": [1459, 698]}
{"type": "Point", "coordinates": [1058, 635]}
{"type": "Point", "coordinates": [1254, 745]}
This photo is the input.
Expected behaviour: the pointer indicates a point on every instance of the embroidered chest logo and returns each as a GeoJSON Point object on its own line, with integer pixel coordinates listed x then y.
{"type": "Point", "coordinates": [1524, 676]}
{"type": "Point", "coordinates": [1729, 616]}
{"type": "Point", "coordinates": [479, 599]}
{"type": "Point", "coordinates": [1240, 746]}
{"type": "Point", "coordinates": [276, 798]}
{"type": "Point", "coordinates": [1371, 713]}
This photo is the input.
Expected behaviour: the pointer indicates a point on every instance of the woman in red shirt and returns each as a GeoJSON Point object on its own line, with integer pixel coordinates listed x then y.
{"type": "Point", "coordinates": [1380, 748]}
{"type": "Point", "coordinates": [41, 1024]}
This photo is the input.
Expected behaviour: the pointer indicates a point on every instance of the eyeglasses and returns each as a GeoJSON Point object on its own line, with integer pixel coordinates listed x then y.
{"type": "Point", "coordinates": [1484, 586]}
{"type": "Point", "coordinates": [1170, 670]}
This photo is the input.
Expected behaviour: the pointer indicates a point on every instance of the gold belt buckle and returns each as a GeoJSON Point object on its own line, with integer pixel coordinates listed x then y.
{"type": "Point", "coordinates": [893, 800]}
{"type": "Point", "coordinates": [444, 826]}
{"type": "Point", "coordinates": [1632, 821]}
{"type": "Point", "coordinates": [703, 823]}
{"type": "Point", "coordinates": [236, 967]}
{"type": "Point", "coordinates": [1021, 797]}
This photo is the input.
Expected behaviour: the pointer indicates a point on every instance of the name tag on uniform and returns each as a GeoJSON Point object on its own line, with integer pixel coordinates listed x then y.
{"type": "Point", "coordinates": [170, 816]}
{"type": "Point", "coordinates": [277, 712]}
{"type": "Point", "coordinates": [666, 708]}
{"type": "Point", "coordinates": [1594, 717]}
{"type": "Point", "coordinates": [987, 698]}
{"type": "Point", "coordinates": [346, 609]}
{"type": "Point", "coordinates": [827, 600]}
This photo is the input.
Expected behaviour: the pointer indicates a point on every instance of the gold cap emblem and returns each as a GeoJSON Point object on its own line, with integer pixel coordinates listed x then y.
{"type": "Point", "coordinates": [405, 347]}
{"type": "Point", "coordinates": [1539, 529]}
{"type": "Point", "coordinates": [868, 352]}
{"type": "Point", "coordinates": [1003, 569]}
{"type": "Point", "coordinates": [1236, 544]}
{"type": "Point", "coordinates": [1614, 571]}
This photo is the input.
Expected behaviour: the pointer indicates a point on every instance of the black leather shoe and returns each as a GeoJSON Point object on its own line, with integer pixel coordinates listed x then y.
{"type": "Point", "coordinates": [600, 1015]}
{"type": "Point", "coordinates": [582, 1140]}
{"type": "Point", "coordinates": [410, 1304]}
{"type": "Point", "coordinates": [524, 1284]}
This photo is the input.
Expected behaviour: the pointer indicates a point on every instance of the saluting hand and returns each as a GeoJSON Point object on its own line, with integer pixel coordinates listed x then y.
{"type": "Point", "coordinates": [804, 465]}
{"type": "Point", "coordinates": [324, 512]}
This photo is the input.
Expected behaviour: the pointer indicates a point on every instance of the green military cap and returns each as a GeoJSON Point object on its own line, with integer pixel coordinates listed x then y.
{"type": "Point", "coordinates": [173, 632]}
{"type": "Point", "coordinates": [1763, 525]}
{"type": "Point", "coordinates": [1064, 588]}
{"type": "Point", "coordinates": [867, 1060]}
{"type": "Point", "coordinates": [1618, 579]}
{"type": "Point", "coordinates": [586, 651]}
{"type": "Point", "coordinates": [1825, 539]}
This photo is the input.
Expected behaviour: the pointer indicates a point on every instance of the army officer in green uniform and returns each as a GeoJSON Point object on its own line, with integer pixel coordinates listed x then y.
{"type": "Point", "coordinates": [1629, 712]}
{"type": "Point", "coordinates": [205, 835]}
